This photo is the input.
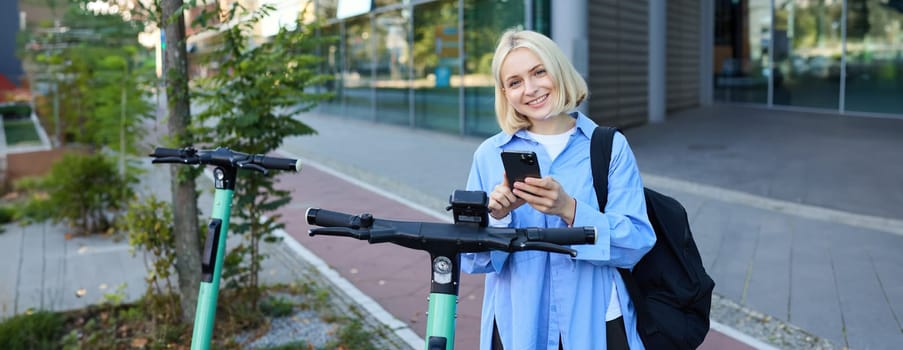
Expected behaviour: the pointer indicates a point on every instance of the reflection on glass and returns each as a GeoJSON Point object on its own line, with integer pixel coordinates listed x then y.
{"type": "Point", "coordinates": [332, 66]}
{"type": "Point", "coordinates": [437, 55]}
{"type": "Point", "coordinates": [357, 75]}
{"type": "Point", "coordinates": [393, 53]}
{"type": "Point", "coordinates": [874, 71]}
{"type": "Point", "coordinates": [742, 41]}
{"type": "Point", "coordinates": [809, 62]}
{"type": "Point", "coordinates": [484, 22]}
{"type": "Point", "coordinates": [326, 9]}
{"type": "Point", "coordinates": [380, 3]}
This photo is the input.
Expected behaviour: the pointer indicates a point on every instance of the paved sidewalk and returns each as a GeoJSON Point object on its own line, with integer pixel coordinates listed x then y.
{"type": "Point", "coordinates": [796, 214]}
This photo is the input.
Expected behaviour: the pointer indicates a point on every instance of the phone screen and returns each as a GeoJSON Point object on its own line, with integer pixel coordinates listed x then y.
{"type": "Point", "coordinates": [520, 165]}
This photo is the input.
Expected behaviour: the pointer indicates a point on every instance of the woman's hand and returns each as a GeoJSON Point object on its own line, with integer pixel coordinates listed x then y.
{"type": "Point", "coordinates": [502, 201]}
{"type": "Point", "coordinates": [547, 196]}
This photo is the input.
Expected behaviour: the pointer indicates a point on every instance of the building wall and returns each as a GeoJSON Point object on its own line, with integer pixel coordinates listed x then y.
{"type": "Point", "coordinates": [10, 66]}
{"type": "Point", "coordinates": [682, 62]}
{"type": "Point", "coordinates": [618, 56]}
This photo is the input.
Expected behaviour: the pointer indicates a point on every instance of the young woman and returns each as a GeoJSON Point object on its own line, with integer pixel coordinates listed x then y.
{"type": "Point", "coordinates": [540, 300]}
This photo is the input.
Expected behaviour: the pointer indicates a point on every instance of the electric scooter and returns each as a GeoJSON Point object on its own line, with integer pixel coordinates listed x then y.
{"type": "Point", "coordinates": [226, 164]}
{"type": "Point", "coordinates": [444, 242]}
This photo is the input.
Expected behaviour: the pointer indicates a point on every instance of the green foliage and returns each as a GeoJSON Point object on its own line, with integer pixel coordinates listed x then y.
{"type": "Point", "coordinates": [7, 214]}
{"type": "Point", "coordinates": [115, 298]}
{"type": "Point", "coordinates": [353, 336]}
{"type": "Point", "coordinates": [100, 89]}
{"type": "Point", "coordinates": [251, 102]}
{"type": "Point", "coordinates": [276, 306]}
{"type": "Point", "coordinates": [38, 330]}
{"type": "Point", "coordinates": [150, 230]}
{"type": "Point", "coordinates": [36, 207]}
{"type": "Point", "coordinates": [295, 345]}
{"type": "Point", "coordinates": [83, 190]}
{"type": "Point", "coordinates": [17, 110]}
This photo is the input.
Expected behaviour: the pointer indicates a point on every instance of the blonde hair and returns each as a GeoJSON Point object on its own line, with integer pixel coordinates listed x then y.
{"type": "Point", "coordinates": [571, 86]}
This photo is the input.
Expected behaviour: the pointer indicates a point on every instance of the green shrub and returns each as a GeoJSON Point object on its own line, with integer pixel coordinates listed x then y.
{"type": "Point", "coordinates": [39, 330]}
{"type": "Point", "coordinates": [7, 214]}
{"type": "Point", "coordinates": [82, 190]}
{"type": "Point", "coordinates": [276, 306]}
{"type": "Point", "coordinates": [15, 110]}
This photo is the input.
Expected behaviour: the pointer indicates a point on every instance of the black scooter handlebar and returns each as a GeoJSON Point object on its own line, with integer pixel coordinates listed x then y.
{"type": "Point", "coordinates": [224, 157]}
{"type": "Point", "coordinates": [439, 236]}
{"type": "Point", "coordinates": [563, 235]}
{"type": "Point", "coordinates": [328, 218]}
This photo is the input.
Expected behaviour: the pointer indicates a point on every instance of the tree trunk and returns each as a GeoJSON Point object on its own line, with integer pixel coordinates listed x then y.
{"type": "Point", "coordinates": [184, 198]}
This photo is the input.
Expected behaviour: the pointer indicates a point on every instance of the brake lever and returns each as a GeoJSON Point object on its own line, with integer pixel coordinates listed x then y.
{"type": "Point", "coordinates": [251, 166]}
{"type": "Point", "coordinates": [549, 247]}
{"type": "Point", "coordinates": [497, 242]}
{"type": "Point", "coordinates": [341, 232]}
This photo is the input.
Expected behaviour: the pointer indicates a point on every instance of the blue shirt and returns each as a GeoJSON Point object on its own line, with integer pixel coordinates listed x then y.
{"type": "Point", "coordinates": [535, 296]}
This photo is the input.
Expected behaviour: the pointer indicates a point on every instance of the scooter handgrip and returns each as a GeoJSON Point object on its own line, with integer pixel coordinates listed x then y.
{"type": "Point", "coordinates": [326, 218]}
{"type": "Point", "coordinates": [161, 152]}
{"type": "Point", "coordinates": [563, 235]}
{"type": "Point", "coordinates": [279, 163]}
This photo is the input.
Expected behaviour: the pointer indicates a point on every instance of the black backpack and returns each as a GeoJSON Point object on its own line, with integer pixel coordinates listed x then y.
{"type": "Point", "coordinates": [669, 286]}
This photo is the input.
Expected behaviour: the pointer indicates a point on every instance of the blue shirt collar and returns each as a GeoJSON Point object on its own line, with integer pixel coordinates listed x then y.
{"type": "Point", "coordinates": [585, 126]}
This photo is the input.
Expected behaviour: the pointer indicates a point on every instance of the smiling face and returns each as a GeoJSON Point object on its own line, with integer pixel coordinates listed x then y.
{"type": "Point", "coordinates": [528, 86]}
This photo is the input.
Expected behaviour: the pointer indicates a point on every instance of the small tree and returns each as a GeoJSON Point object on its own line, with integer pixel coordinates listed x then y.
{"type": "Point", "coordinates": [252, 101]}
{"type": "Point", "coordinates": [150, 229]}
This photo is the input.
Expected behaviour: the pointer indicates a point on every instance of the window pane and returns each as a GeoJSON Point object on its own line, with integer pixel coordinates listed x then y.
{"type": "Point", "coordinates": [484, 22]}
{"type": "Point", "coordinates": [809, 62]}
{"type": "Point", "coordinates": [332, 65]}
{"type": "Point", "coordinates": [874, 78]}
{"type": "Point", "coordinates": [357, 76]}
{"type": "Point", "coordinates": [741, 62]}
{"type": "Point", "coordinates": [436, 77]}
{"type": "Point", "coordinates": [393, 54]}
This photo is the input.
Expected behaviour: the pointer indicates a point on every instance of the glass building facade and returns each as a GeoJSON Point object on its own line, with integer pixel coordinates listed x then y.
{"type": "Point", "coordinates": [424, 64]}
{"type": "Point", "coordinates": [841, 55]}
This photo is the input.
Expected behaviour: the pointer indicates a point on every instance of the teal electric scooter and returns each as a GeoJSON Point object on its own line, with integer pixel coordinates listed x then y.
{"type": "Point", "coordinates": [444, 243]}
{"type": "Point", "coordinates": [226, 164]}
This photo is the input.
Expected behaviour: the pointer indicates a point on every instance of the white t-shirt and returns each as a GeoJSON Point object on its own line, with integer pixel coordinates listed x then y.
{"type": "Point", "coordinates": [554, 144]}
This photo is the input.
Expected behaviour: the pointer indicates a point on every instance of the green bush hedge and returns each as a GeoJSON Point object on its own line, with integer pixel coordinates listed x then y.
{"type": "Point", "coordinates": [15, 110]}
{"type": "Point", "coordinates": [40, 330]}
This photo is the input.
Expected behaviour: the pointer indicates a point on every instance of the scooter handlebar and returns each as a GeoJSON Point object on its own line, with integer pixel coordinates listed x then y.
{"type": "Point", "coordinates": [224, 157]}
{"type": "Point", "coordinates": [563, 235]}
{"type": "Point", "coordinates": [467, 238]}
{"type": "Point", "coordinates": [328, 218]}
{"type": "Point", "coordinates": [160, 152]}
{"type": "Point", "coordinates": [278, 163]}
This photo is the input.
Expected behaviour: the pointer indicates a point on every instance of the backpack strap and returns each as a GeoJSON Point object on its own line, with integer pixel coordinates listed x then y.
{"type": "Point", "coordinates": [600, 162]}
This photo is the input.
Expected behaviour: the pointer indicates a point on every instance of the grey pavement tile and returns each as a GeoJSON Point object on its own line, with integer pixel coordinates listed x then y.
{"type": "Point", "coordinates": [887, 268]}
{"type": "Point", "coordinates": [708, 230]}
{"type": "Point", "coordinates": [31, 280]}
{"type": "Point", "coordinates": [769, 284]}
{"type": "Point", "coordinates": [10, 246]}
{"type": "Point", "coordinates": [738, 244]}
{"type": "Point", "coordinates": [814, 303]}
{"type": "Point", "coordinates": [868, 325]}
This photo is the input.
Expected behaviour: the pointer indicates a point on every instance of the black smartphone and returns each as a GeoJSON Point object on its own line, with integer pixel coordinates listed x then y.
{"type": "Point", "coordinates": [519, 165]}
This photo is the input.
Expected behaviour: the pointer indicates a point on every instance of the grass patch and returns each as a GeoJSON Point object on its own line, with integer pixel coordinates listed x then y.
{"type": "Point", "coordinates": [20, 131]}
